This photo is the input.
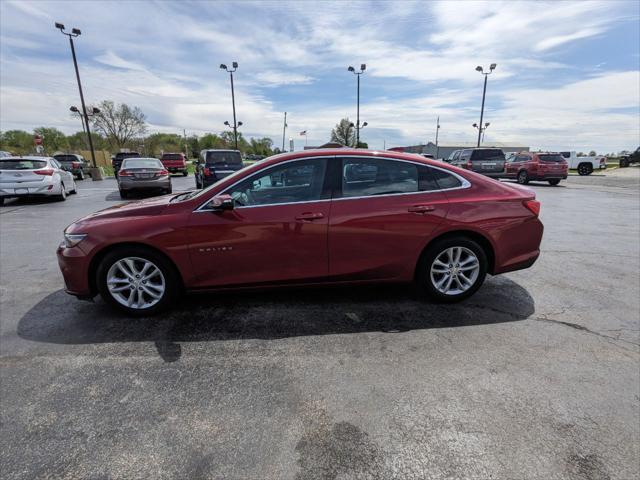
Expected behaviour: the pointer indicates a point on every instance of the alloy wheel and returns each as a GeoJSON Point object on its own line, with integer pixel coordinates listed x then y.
{"type": "Point", "coordinates": [136, 282]}
{"type": "Point", "coordinates": [455, 270]}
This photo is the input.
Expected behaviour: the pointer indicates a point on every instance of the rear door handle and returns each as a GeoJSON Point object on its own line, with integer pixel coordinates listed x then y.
{"type": "Point", "coordinates": [421, 208]}
{"type": "Point", "coordinates": [309, 216]}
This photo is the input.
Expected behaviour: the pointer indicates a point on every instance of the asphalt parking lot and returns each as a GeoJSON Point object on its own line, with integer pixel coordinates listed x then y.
{"type": "Point", "coordinates": [536, 376]}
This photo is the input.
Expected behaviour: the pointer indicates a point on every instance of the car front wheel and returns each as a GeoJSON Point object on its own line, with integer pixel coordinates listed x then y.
{"type": "Point", "coordinates": [137, 281]}
{"type": "Point", "coordinates": [585, 169]}
{"type": "Point", "coordinates": [452, 269]}
{"type": "Point", "coordinates": [554, 181]}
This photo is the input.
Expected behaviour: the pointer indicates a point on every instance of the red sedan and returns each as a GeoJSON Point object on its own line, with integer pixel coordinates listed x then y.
{"type": "Point", "coordinates": [314, 217]}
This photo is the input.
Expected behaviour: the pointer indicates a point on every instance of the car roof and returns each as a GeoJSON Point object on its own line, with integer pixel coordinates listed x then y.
{"type": "Point", "coordinates": [219, 150]}
{"type": "Point", "coordinates": [350, 152]}
{"type": "Point", "coordinates": [27, 157]}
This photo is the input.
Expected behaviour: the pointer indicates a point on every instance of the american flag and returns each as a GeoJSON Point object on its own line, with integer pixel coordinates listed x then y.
{"type": "Point", "coordinates": [304, 132]}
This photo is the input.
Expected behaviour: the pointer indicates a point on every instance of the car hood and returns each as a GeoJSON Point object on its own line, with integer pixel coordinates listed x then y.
{"type": "Point", "coordinates": [151, 206]}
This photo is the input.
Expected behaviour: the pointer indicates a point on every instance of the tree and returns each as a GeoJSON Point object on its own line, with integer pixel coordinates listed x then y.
{"type": "Point", "coordinates": [592, 153]}
{"type": "Point", "coordinates": [16, 141]}
{"type": "Point", "coordinates": [119, 123]}
{"type": "Point", "coordinates": [157, 143]}
{"type": "Point", "coordinates": [344, 133]}
{"type": "Point", "coordinates": [53, 140]}
{"type": "Point", "coordinates": [211, 140]}
{"type": "Point", "coordinates": [261, 146]}
{"type": "Point", "coordinates": [581, 154]}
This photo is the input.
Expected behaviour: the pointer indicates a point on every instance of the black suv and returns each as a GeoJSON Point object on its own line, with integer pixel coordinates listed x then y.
{"type": "Point", "coordinates": [487, 161]}
{"type": "Point", "coordinates": [116, 160]}
{"type": "Point", "coordinates": [216, 164]}
{"type": "Point", "coordinates": [75, 164]}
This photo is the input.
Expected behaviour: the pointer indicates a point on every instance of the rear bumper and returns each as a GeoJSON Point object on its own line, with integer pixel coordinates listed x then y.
{"type": "Point", "coordinates": [27, 190]}
{"type": "Point", "coordinates": [74, 265]}
{"type": "Point", "coordinates": [518, 246]}
{"type": "Point", "coordinates": [129, 185]}
{"type": "Point", "coordinates": [551, 176]}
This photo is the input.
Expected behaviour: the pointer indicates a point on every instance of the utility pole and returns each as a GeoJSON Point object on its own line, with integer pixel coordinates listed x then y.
{"type": "Point", "coordinates": [186, 145]}
{"type": "Point", "coordinates": [284, 130]}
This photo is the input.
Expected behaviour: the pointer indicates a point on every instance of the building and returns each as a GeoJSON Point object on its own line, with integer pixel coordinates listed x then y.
{"type": "Point", "coordinates": [444, 150]}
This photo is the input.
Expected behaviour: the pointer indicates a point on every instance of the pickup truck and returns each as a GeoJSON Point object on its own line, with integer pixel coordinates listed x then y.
{"type": "Point", "coordinates": [626, 160]}
{"type": "Point", "coordinates": [75, 164]}
{"type": "Point", "coordinates": [175, 162]}
{"type": "Point", "coordinates": [585, 165]}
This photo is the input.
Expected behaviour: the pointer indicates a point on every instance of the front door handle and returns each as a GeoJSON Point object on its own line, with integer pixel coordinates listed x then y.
{"type": "Point", "coordinates": [309, 216]}
{"type": "Point", "coordinates": [421, 208]}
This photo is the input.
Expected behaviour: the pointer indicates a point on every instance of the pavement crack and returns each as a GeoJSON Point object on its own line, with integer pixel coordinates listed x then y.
{"type": "Point", "coordinates": [582, 328]}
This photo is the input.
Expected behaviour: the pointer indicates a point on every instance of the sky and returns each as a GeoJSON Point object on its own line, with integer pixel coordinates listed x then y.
{"type": "Point", "coordinates": [567, 75]}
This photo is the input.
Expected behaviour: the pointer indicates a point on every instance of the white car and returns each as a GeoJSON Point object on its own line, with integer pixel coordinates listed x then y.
{"type": "Point", "coordinates": [584, 165]}
{"type": "Point", "coordinates": [34, 176]}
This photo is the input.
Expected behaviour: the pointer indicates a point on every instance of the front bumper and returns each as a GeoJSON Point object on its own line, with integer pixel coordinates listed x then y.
{"type": "Point", "coordinates": [74, 265]}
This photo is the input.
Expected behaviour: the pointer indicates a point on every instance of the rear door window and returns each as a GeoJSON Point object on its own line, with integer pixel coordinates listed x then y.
{"type": "Point", "coordinates": [365, 177]}
{"type": "Point", "coordinates": [487, 154]}
{"type": "Point", "coordinates": [22, 164]}
{"type": "Point", "coordinates": [465, 155]}
{"type": "Point", "coordinates": [223, 158]}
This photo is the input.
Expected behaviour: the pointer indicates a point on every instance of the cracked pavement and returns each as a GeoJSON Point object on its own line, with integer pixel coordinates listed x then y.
{"type": "Point", "coordinates": [536, 376]}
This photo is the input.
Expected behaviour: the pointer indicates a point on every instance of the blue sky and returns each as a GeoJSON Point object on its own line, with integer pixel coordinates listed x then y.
{"type": "Point", "coordinates": [567, 76]}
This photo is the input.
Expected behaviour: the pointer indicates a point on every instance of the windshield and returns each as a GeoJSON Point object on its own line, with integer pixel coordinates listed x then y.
{"type": "Point", "coordinates": [227, 158]}
{"type": "Point", "coordinates": [551, 157]}
{"type": "Point", "coordinates": [123, 155]}
{"type": "Point", "coordinates": [22, 164]}
{"type": "Point", "coordinates": [172, 156]}
{"type": "Point", "coordinates": [66, 158]}
{"type": "Point", "coordinates": [199, 193]}
{"type": "Point", "coordinates": [142, 163]}
{"type": "Point", "coordinates": [487, 154]}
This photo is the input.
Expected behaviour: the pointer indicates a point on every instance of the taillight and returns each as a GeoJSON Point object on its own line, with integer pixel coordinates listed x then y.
{"type": "Point", "coordinates": [162, 172]}
{"type": "Point", "coordinates": [45, 171]}
{"type": "Point", "coordinates": [533, 206]}
{"type": "Point", "coordinates": [469, 166]}
{"type": "Point", "coordinates": [602, 160]}
{"type": "Point", "coordinates": [206, 171]}
{"type": "Point", "coordinates": [125, 173]}
{"type": "Point", "coordinates": [75, 165]}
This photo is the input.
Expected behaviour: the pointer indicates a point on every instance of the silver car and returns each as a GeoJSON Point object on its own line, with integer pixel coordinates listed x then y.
{"type": "Point", "coordinates": [143, 174]}
{"type": "Point", "coordinates": [34, 176]}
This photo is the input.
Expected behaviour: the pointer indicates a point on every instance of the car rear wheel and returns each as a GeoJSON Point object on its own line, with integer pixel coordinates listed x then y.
{"type": "Point", "coordinates": [63, 193]}
{"type": "Point", "coordinates": [81, 175]}
{"type": "Point", "coordinates": [185, 173]}
{"type": "Point", "coordinates": [452, 269]}
{"type": "Point", "coordinates": [74, 190]}
{"type": "Point", "coordinates": [523, 177]}
{"type": "Point", "coordinates": [554, 181]}
{"type": "Point", "coordinates": [124, 195]}
{"type": "Point", "coordinates": [585, 169]}
{"type": "Point", "coordinates": [624, 163]}
{"type": "Point", "coordinates": [137, 281]}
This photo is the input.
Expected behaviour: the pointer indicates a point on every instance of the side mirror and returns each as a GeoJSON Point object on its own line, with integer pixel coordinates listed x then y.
{"type": "Point", "coordinates": [220, 203]}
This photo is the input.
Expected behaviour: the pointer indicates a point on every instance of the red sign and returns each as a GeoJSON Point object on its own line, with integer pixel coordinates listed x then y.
{"type": "Point", "coordinates": [37, 139]}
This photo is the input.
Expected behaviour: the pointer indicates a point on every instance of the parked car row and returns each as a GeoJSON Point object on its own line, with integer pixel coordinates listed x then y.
{"type": "Point", "coordinates": [523, 167]}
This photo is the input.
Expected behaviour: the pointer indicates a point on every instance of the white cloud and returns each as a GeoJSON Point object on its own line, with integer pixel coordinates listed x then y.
{"type": "Point", "coordinates": [111, 59]}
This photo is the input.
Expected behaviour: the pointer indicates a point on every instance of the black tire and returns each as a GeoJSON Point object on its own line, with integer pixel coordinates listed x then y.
{"type": "Point", "coordinates": [423, 273]}
{"type": "Point", "coordinates": [168, 191]}
{"type": "Point", "coordinates": [624, 163]}
{"type": "Point", "coordinates": [124, 195]}
{"type": "Point", "coordinates": [523, 177]}
{"type": "Point", "coordinates": [1, 201]}
{"type": "Point", "coordinates": [169, 272]}
{"type": "Point", "coordinates": [198, 186]}
{"type": "Point", "coordinates": [553, 182]}
{"type": "Point", "coordinates": [585, 169]}
{"type": "Point", "coordinates": [75, 189]}
{"type": "Point", "coordinates": [80, 175]}
{"type": "Point", "coordinates": [63, 193]}
{"type": "Point", "coordinates": [185, 173]}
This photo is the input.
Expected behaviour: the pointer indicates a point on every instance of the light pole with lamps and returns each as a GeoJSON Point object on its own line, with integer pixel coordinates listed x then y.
{"type": "Point", "coordinates": [363, 67]}
{"type": "Point", "coordinates": [484, 92]}
{"type": "Point", "coordinates": [437, 131]}
{"type": "Point", "coordinates": [481, 130]}
{"type": "Point", "coordinates": [233, 102]}
{"type": "Point", "coordinates": [74, 33]}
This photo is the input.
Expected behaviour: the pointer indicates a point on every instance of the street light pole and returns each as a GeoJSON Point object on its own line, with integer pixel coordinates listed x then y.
{"type": "Point", "coordinates": [284, 130]}
{"type": "Point", "coordinates": [437, 130]}
{"type": "Point", "coordinates": [233, 102]}
{"type": "Point", "coordinates": [363, 67]}
{"type": "Point", "coordinates": [74, 33]}
{"type": "Point", "coordinates": [484, 92]}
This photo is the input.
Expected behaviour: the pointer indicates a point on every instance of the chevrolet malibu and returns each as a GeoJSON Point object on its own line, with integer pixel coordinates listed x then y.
{"type": "Point", "coordinates": [307, 218]}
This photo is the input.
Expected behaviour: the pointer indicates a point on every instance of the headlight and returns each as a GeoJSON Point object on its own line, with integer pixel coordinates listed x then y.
{"type": "Point", "coordinates": [72, 239]}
